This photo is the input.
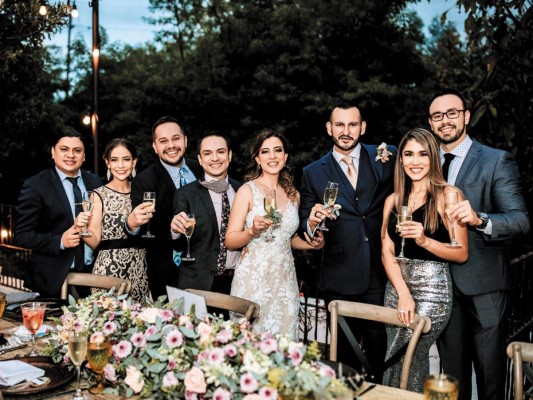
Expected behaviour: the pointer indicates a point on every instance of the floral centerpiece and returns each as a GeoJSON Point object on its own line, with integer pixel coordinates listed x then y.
{"type": "Point", "coordinates": [160, 352]}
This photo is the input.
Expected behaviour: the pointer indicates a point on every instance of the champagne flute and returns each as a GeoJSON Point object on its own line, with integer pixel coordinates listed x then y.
{"type": "Point", "coordinates": [77, 350]}
{"type": "Point", "coordinates": [149, 197]}
{"type": "Point", "coordinates": [450, 200]}
{"type": "Point", "coordinates": [87, 205]}
{"type": "Point", "coordinates": [33, 316]}
{"type": "Point", "coordinates": [269, 204]}
{"type": "Point", "coordinates": [98, 357]}
{"type": "Point", "coordinates": [403, 216]}
{"type": "Point", "coordinates": [188, 233]}
{"type": "Point", "coordinates": [330, 197]}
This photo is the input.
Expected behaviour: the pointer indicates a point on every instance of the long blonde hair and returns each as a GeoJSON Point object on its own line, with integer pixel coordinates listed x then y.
{"type": "Point", "coordinates": [254, 170]}
{"type": "Point", "coordinates": [436, 182]}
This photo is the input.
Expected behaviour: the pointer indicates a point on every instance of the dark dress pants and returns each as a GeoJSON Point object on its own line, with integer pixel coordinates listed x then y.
{"type": "Point", "coordinates": [476, 334]}
{"type": "Point", "coordinates": [370, 335]}
{"type": "Point", "coordinates": [221, 284]}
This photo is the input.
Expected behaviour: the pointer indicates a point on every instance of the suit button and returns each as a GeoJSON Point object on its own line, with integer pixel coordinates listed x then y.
{"type": "Point", "coordinates": [366, 239]}
{"type": "Point", "coordinates": [357, 199]}
{"type": "Point", "coordinates": [364, 217]}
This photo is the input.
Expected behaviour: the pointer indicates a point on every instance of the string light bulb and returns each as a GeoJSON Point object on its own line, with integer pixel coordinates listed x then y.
{"type": "Point", "coordinates": [43, 10]}
{"type": "Point", "coordinates": [74, 12]}
{"type": "Point", "coordinates": [86, 120]}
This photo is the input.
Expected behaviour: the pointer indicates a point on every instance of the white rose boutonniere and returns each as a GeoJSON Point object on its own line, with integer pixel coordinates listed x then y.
{"type": "Point", "coordinates": [383, 153]}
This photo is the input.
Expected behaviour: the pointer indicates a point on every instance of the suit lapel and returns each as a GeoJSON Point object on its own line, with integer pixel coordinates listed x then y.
{"type": "Point", "coordinates": [470, 161]}
{"type": "Point", "coordinates": [205, 198]}
{"type": "Point", "coordinates": [60, 190]}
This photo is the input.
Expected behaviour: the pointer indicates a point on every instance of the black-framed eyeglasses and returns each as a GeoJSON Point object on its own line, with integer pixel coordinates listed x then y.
{"type": "Point", "coordinates": [451, 114]}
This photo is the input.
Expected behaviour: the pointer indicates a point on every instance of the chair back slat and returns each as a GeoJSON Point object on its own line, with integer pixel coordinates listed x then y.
{"type": "Point", "coordinates": [120, 285]}
{"type": "Point", "coordinates": [249, 309]}
{"type": "Point", "coordinates": [519, 352]}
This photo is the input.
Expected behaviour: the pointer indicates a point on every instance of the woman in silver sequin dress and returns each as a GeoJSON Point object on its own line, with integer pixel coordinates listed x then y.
{"type": "Point", "coordinates": [419, 283]}
{"type": "Point", "coordinates": [118, 254]}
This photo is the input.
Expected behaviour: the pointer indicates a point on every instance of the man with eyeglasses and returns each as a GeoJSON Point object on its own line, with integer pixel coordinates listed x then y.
{"type": "Point", "coordinates": [495, 211]}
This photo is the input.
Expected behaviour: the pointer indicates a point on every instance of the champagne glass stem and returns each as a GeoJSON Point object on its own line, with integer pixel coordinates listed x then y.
{"type": "Point", "coordinates": [401, 250]}
{"type": "Point", "coordinates": [148, 228]}
{"type": "Point", "coordinates": [453, 233]}
{"type": "Point", "coordinates": [78, 389]}
{"type": "Point", "coordinates": [188, 247]}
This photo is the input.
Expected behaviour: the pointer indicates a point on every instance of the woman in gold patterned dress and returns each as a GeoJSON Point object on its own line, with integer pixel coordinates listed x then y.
{"type": "Point", "coordinates": [118, 254]}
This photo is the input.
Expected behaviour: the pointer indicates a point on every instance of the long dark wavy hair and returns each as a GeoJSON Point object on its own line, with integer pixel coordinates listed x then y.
{"type": "Point", "coordinates": [254, 170]}
{"type": "Point", "coordinates": [436, 182]}
{"type": "Point", "coordinates": [120, 142]}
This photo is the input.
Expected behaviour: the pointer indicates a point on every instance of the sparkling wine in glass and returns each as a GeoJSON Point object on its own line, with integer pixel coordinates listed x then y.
{"type": "Point", "coordinates": [87, 205]}
{"type": "Point", "coordinates": [188, 233]}
{"type": "Point", "coordinates": [149, 197]}
{"type": "Point", "coordinates": [330, 197]}
{"type": "Point", "coordinates": [450, 200]}
{"type": "Point", "coordinates": [404, 215]}
{"type": "Point", "coordinates": [98, 357]}
{"type": "Point", "coordinates": [33, 316]}
{"type": "Point", "coordinates": [77, 350]}
{"type": "Point", "coordinates": [269, 204]}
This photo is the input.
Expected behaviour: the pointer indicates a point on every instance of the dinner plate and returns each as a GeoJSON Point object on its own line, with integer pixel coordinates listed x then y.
{"type": "Point", "coordinates": [58, 374]}
{"type": "Point", "coordinates": [53, 309]}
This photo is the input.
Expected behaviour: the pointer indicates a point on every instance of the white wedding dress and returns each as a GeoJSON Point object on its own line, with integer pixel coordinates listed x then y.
{"type": "Point", "coordinates": [266, 274]}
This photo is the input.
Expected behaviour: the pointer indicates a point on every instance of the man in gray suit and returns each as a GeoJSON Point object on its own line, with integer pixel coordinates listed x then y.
{"type": "Point", "coordinates": [495, 211]}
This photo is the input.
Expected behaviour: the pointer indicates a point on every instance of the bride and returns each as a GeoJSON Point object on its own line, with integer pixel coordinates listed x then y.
{"type": "Point", "coordinates": [265, 272]}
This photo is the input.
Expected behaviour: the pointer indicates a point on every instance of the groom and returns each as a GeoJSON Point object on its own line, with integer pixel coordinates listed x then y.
{"type": "Point", "coordinates": [351, 266]}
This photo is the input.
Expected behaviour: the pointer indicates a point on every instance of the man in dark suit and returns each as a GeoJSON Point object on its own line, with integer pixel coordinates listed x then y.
{"type": "Point", "coordinates": [169, 172]}
{"type": "Point", "coordinates": [45, 217]}
{"type": "Point", "coordinates": [210, 201]}
{"type": "Point", "coordinates": [495, 211]}
{"type": "Point", "coordinates": [351, 266]}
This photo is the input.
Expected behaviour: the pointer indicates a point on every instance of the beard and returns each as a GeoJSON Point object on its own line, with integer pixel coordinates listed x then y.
{"type": "Point", "coordinates": [450, 138]}
{"type": "Point", "coordinates": [343, 146]}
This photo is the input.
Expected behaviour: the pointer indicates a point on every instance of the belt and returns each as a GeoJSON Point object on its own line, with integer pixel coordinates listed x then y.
{"type": "Point", "coordinates": [227, 272]}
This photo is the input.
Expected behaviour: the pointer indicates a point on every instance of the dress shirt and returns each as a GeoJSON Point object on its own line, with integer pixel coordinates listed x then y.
{"type": "Point", "coordinates": [88, 252]}
{"type": "Point", "coordinates": [460, 153]}
{"type": "Point", "coordinates": [174, 172]}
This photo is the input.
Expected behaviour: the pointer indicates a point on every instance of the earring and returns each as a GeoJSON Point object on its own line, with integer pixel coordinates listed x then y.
{"type": "Point", "coordinates": [108, 174]}
{"type": "Point", "coordinates": [133, 173]}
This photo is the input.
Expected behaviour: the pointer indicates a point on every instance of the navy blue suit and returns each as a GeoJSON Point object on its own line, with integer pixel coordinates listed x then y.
{"type": "Point", "coordinates": [43, 214]}
{"type": "Point", "coordinates": [351, 267]}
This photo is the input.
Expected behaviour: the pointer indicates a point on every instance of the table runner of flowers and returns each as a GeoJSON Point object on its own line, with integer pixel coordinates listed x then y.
{"type": "Point", "coordinates": [159, 352]}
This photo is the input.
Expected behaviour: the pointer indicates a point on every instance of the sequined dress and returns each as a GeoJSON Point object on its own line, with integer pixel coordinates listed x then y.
{"type": "Point", "coordinates": [117, 254]}
{"type": "Point", "coordinates": [428, 279]}
{"type": "Point", "coordinates": [266, 274]}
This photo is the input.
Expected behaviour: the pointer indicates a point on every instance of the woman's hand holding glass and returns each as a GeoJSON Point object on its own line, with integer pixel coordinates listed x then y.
{"type": "Point", "coordinates": [259, 225]}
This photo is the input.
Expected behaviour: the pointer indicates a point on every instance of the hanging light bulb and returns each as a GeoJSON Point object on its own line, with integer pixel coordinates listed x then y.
{"type": "Point", "coordinates": [43, 10]}
{"type": "Point", "coordinates": [74, 11]}
{"type": "Point", "coordinates": [86, 120]}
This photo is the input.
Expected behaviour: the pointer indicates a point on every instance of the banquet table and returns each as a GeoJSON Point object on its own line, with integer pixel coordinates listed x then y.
{"type": "Point", "coordinates": [66, 392]}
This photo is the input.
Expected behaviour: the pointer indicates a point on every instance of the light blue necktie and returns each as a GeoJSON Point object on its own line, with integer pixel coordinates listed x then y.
{"type": "Point", "coordinates": [177, 254]}
{"type": "Point", "coordinates": [183, 182]}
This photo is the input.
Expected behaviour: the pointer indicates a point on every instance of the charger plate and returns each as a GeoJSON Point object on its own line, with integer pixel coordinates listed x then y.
{"type": "Point", "coordinates": [58, 375]}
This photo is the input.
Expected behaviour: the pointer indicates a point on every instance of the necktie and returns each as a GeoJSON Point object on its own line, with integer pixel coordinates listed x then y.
{"type": "Point", "coordinates": [351, 172]}
{"type": "Point", "coordinates": [78, 208]}
{"type": "Point", "coordinates": [448, 157]}
{"type": "Point", "coordinates": [221, 259]}
{"type": "Point", "coordinates": [183, 182]}
{"type": "Point", "coordinates": [219, 186]}
{"type": "Point", "coordinates": [79, 256]}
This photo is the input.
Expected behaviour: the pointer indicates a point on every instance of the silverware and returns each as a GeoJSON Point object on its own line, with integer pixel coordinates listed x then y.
{"type": "Point", "coordinates": [11, 348]}
{"type": "Point", "coordinates": [368, 389]}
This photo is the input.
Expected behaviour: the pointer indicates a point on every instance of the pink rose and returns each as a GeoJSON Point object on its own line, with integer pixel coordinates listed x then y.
{"type": "Point", "coordinates": [195, 381]}
{"type": "Point", "coordinates": [252, 397]}
{"type": "Point", "coordinates": [110, 373]}
{"type": "Point", "coordinates": [205, 332]}
{"type": "Point", "coordinates": [169, 379]}
{"type": "Point", "coordinates": [134, 379]}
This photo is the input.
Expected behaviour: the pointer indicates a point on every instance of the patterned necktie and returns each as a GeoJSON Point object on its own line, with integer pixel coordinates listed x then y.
{"type": "Point", "coordinates": [78, 208]}
{"type": "Point", "coordinates": [351, 172]}
{"type": "Point", "coordinates": [79, 252]}
{"type": "Point", "coordinates": [183, 182]}
{"type": "Point", "coordinates": [221, 259]}
{"type": "Point", "coordinates": [448, 157]}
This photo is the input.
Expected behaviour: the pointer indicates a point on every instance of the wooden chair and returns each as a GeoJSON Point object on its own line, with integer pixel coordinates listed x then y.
{"type": "Point", "coordinates": [380, 314]}
{"type": "Point", "coordinates": [120, 285]}
{"type": "Point", "coordinates": [520, 352]}
{"type": "Point", "coordinates": [248, 308]}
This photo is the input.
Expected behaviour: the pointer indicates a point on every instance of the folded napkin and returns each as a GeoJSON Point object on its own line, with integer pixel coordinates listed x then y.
{"type": "Point", "coordinates": [21, 297]}
{"type": "Point", "coordinates": [23, 333]}
{"type": "Point", "coordinates": [16, 371]}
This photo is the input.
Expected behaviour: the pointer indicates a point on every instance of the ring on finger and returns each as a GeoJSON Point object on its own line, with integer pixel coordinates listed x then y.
{"type": "Point", "coordinates": [318, 214]}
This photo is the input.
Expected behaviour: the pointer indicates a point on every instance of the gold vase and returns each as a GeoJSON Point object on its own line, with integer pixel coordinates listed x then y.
{"type": "Point", "coordinates": [98, 357]}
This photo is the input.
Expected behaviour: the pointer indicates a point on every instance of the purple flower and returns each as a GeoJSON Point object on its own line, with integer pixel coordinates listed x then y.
{"type": "Point", "coordinates": [268, 346]}
{"type": "Point", "coordinates": [221, 394]}
{"type": "Point", "coordinates": [248, 383]}
{"type": "Point", "coordinates": [295, 353]}
{"type": "Point", "coordinates": [216, 356]}
{"type": "Point", "coordinates": [174, 339]}
{"type": "Point", "coordinates": [122, 349]}
{"type": "Point", "coordinates": [110, 328]}
{"type": "Point", "coordinates": [138, 339]}
{"type": "Point", "coordinates": [230, 350]}
{"type": "Point", "coordinates": [169, 379]}
{"type": "Point", "coordinates": [268, 393]}
{"type": "Point", "coordinates": [326, 370]}
{"type": "Point", "coordinates": [224, 336]}
{"type": "Point", "coordinates": [171, 364]}
{"type": "Point", "coordinates": [166, 315]}
{"type": "Point", "coordinates": [152, 330]}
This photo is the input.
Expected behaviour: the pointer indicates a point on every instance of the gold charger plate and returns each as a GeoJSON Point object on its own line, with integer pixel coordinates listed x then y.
{"type": "Point", "coordinates": [59, 375]}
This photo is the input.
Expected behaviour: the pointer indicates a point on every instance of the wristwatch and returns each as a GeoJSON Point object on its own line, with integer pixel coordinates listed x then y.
{"type": "Point", "coordinates": [484, 220]}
